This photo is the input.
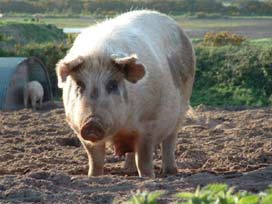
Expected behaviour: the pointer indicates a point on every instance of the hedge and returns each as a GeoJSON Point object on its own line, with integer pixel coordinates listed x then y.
{"type": "Point", "coordinates": [225, 76]}
{"type": "Point", "coordinates": [233, 75]}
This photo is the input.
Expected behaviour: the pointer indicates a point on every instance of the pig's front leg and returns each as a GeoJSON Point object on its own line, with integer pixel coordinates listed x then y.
{"type": "Point", "coordinates": [144, 158]}
{"type": "Point", "coordinates": [96, 156]}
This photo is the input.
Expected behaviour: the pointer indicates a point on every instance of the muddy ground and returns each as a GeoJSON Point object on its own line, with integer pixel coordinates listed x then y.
{"type": "Point", "coordinates": [41, 160]}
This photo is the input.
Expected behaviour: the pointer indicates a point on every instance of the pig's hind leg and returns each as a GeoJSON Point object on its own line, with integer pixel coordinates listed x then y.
{"type": "Point", "coordinates": [33, 102]}
{"type": "Point", "coordinates": [169, 165]}
{"type": "Point", "coordinates": [129, 164]}
{"type": "Point", "coordinates": [40, 102]}
{"type": "Point", "coordinates": [144, 158]}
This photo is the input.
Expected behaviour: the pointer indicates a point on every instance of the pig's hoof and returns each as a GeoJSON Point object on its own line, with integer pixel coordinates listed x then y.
{"type": "Point", "coordinates": [95, 173]}
{"type": "Point", "coordinates": [91, 175]}
{"type": "Point", "coordinates": [130, 169]}
{"type": "Point", "coordinates": [152, 175]}
{"type": "Point", "coordinates": [146, 174]}
{"type": "Point", "coordinates": [170, 171]}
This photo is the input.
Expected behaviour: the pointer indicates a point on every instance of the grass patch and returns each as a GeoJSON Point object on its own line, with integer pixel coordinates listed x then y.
{"type": "Point", "coordinates": [210, 194]}
{"type": "Point", "coordinates": [219, 23]}
{"type": "Point", "coordinates": [60, 22]}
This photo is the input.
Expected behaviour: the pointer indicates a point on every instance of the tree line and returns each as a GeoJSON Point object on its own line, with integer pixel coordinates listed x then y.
{"type": "Point", "coordinates": [175, 7]}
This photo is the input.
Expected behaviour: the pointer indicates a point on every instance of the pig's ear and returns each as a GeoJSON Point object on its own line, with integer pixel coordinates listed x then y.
{"type": "Point", "coordinates": [128, 65]}
{"type": "Point", "coordinates": [64, 69]}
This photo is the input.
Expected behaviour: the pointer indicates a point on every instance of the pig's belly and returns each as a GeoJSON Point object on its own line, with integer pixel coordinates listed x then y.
{"type": "Point", "coordinates": [124, 142]}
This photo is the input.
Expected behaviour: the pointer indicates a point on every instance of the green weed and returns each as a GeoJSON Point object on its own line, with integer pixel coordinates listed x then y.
{"type": "Point", "coordinates": [210, 194]}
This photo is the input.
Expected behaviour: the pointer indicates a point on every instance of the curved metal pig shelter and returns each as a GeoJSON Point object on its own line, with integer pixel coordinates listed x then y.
{"type": "Point", "coordinates": [14, 73]}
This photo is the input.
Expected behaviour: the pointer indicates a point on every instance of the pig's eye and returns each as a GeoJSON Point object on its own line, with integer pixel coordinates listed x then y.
{"type": "Point", "coordinates": [112, 86]}
{"type": "Point", "coordinates": [80, 86]}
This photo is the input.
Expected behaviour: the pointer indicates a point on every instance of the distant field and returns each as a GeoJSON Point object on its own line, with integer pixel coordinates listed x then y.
{"type": "Point", "coordinates": [251, 27]}
{"type": "Point", "coordinates": [59, 22]}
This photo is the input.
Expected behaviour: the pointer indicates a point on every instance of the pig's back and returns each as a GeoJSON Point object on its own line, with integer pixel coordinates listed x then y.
{"type": "Point", "coordinates": [153, 35]}
{"type": "Point", "coordinates": [156, 29]}
{"type": "Point", "coordinates": [34, 87]}
{"type": "Point", "coordinates": [162, 46]}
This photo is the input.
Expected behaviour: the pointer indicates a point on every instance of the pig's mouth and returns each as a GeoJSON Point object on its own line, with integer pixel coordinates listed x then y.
{"type": "Point", "coordinates": [92, 130]}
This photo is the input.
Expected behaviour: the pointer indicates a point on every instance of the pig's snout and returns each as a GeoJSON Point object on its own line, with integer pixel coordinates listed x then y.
{"type": "Point", "coordinates": [92, 130]}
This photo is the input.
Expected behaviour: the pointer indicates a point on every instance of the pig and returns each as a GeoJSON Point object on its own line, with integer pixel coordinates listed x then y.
{"type": "Point", "coordinates": [128, 81]}
{"type": "Point", "coordinates": [33, 90]}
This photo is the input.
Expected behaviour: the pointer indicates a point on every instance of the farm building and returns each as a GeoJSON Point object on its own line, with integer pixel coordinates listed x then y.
{"type": "Point", "coordinates": [14, 73]}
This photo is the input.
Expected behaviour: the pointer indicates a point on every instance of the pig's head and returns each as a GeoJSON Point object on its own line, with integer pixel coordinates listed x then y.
{"type": "Point", "coordinates": [95, 94]}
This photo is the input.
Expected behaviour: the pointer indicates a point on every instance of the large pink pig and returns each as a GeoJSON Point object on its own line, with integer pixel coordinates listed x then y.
{"type": "Point", "coordinates": [128, 81]}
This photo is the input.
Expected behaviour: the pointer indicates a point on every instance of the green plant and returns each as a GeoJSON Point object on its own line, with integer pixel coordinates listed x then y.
{"type": "Point", "coordinates": [222, 194]}
{"type": "Point", "coordinates": [71, 38]}
{"type": "Point", "coordinates": [2, 37]}
{"type": "Point", "coordinates": [222, 38]}
{"type": "Point", "coordinates": [145, 197]}
{"type": "Point", "coordinates": [233, 76]}
{"type": "Point", "coordinates": [210, 194]}
{"type": "Point", "coordinates": [5, 38]}
{"type": "Point", "coordinates": [24, 33]}
{"type": "Point", "coordinates": [216, 193]}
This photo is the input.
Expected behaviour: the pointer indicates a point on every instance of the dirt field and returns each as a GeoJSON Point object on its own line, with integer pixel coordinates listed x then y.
{"type": "Point", "coordinates": [41, 161]}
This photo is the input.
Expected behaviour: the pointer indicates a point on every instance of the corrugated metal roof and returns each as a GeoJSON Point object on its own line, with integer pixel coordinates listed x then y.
{"type": "Point", "coordinates": [8, 66]}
